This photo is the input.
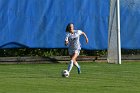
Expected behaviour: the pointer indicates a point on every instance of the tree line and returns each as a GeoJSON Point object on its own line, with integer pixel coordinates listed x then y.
{"type": "Point", "coordinates": [57, 52]}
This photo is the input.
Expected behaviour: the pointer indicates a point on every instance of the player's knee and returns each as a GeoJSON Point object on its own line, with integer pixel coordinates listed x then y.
{"type": "Point", "coordinates": [73, 59]}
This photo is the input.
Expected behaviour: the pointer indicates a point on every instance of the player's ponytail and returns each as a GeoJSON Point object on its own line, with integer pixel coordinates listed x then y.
{"type": "Point", "coordinates": [67, 28]}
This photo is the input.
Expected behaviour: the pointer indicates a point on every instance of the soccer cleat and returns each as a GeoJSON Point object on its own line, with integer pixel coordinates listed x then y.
{"type": "Point", "coordinates": [79, 71]}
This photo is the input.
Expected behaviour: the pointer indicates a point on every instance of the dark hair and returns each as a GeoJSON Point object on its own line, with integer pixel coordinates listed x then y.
{"type": "Point", "coordinates": [68, 26]}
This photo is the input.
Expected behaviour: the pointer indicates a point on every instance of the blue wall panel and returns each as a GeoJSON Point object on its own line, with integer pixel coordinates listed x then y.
{"type": "Point", "coordinates": [42, 23]}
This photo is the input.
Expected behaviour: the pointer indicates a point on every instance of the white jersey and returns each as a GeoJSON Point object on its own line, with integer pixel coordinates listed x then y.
{"type": "Point", "coordinates": [73, 39]}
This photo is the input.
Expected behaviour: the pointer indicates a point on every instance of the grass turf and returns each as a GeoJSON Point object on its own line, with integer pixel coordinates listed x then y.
{"type": "Point", "coordinates": [46, 78]}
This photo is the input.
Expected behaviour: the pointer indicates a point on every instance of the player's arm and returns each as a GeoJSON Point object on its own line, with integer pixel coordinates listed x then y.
{"type": "Point", "coordinates": [66, 43]}
{"type": "Point", "coordinates": [85, 37]}
{"type": "Point", "coordinates": [66, 40]}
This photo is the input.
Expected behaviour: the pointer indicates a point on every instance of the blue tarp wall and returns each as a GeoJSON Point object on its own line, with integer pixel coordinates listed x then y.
{"type": "Point", "coordinates": [42, 23]}
{"type": "Point", "coordinates": [130, 24]}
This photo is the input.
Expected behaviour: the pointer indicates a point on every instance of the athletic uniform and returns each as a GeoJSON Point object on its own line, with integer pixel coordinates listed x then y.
{"type": "Point", "coordinates": [74, 43]}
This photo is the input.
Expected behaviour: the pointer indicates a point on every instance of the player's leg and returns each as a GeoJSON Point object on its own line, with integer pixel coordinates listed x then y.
{"type": "Point", "coordinates": [74, 57]}
{"type": "Point", "coordinates": [71, 61]}
{"type": "Point", "coordinates": [76, 63]}
{"type": "Point", "coordinates": [70, 65]}
{"type": "Point", "coordinates": [78, 67]}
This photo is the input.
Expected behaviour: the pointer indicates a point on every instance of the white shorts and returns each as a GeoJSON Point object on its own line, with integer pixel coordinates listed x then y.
{"type": "Point", "coordinates": [71, 52]}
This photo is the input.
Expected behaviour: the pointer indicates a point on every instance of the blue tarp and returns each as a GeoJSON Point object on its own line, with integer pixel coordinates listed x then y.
{"type": "Point", "coordinates": [130, 24]}
{"type": "Point", "coordinates": [42, 23]}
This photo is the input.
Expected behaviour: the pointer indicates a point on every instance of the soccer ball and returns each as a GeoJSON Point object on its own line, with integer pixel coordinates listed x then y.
{"type": "Point", "coordinates": [65, 73]}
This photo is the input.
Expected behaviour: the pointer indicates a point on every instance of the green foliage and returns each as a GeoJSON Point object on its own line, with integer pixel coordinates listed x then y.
{"type": "Point", "coordinates": [45, 52]}
{"type": "Point", "coordinates": [56, 52]}
{"type": "Point", "coordinates": [93, 52]}
{"type": "Point", "coordinates": [33, 52]}
{"type": "Point", "coordinates": [131, 51]}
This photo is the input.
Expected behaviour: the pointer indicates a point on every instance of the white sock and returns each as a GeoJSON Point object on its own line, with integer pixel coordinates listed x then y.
{"type": "Point", "coordinates": [70, 65]}
{"type": "Point", "coordinates": [77, 65]}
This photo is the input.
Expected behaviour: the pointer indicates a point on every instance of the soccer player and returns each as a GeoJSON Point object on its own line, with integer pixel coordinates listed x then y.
{"type": "Point", "coordinates": [72, 40]}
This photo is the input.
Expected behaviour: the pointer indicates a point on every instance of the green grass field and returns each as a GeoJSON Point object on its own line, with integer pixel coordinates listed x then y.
{"type": "Point", "coordinates": [46, 78]}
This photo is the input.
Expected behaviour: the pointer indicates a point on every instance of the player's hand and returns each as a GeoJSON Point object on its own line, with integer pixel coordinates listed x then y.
{"type": "Point", "coordinates": [66, 43]}
{"type": "Point", "coordinates": [86, 40]}
{"type": "Point", "coordinates": [85, 37]}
